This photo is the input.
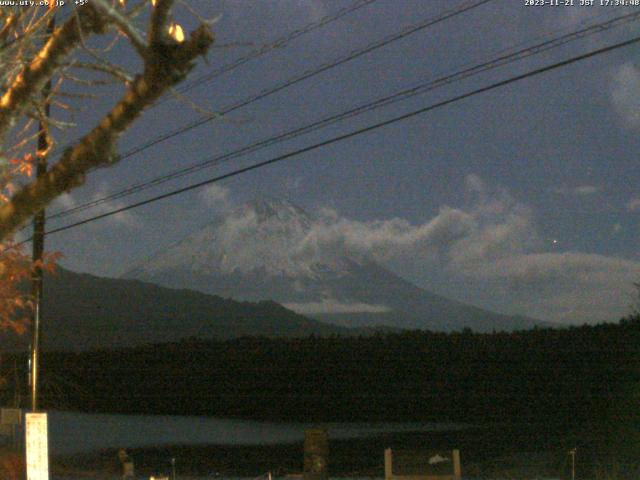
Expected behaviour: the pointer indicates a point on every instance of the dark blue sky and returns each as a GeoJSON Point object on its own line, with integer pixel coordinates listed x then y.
{"type": "Point", "coordinates": [524, 199]}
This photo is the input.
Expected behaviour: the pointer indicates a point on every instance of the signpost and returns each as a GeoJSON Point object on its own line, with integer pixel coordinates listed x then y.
{"type": "Point", "coordinates": [37, 446]}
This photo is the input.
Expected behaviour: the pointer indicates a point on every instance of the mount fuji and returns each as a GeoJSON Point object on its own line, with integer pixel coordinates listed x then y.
{"type": "Point", "coordinates": [263, 250]}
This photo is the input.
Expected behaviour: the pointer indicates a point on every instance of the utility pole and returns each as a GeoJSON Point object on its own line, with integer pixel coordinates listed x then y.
{"type": "Point", "coordinates": [572, 452]}
{"type": "Point", "coordinates": [38, 235]}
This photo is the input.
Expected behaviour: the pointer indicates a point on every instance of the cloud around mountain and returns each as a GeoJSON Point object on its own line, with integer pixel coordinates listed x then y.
{"type": "Point", "coordinates": [494, 241]}
{"type": "Point", "coordinates": [625, 94]}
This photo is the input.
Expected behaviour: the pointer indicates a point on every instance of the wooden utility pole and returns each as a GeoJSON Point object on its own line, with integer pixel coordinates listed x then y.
{"type": "Point", "coordinates": [38, 235]}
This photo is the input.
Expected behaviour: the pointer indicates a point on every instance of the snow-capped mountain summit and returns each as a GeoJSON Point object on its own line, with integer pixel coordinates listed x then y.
{"type": "Point", "coordinates": [271, 249]}
{"type": "Point", "coordinates": [263, 236]}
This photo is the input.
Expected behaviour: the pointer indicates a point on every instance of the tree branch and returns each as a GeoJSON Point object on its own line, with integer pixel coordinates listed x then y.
{"type": "Point", "coordinates": [107, 68]}
{"type": "Point", "coordinates": [34, 75]}
{"type": "Point", "coordinates": [158, 28]}
{"type": "Point", "coordinates": [168, 64]}
{"type": "Point", "coordinates": [123, 23]}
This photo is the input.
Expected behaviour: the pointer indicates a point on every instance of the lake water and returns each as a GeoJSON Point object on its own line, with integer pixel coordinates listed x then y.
{"type": "Point", "coordinates": [71, 432]}
{"type": "Point", "coordinates": [184, 477]}
{"type": "Point", "coordinates": [178, 477]}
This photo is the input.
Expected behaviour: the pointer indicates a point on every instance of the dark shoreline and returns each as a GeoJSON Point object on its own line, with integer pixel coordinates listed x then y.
{"type": "Point", "coordinates": [526, 451]}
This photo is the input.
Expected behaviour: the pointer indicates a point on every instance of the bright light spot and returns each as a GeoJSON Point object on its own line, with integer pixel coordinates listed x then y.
{"type": "Point", "coordinates": [176, 32]}
{"type": "Point", "coordinates": [554, 241]}
{"type": "Point", "coordinates": [154, 3]}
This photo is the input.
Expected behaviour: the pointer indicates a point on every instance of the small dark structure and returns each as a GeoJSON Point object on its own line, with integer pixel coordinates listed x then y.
{"type": "Point", "coordinates": [316, 454]}
{"type": "Point", "coordinates": [126, 464]}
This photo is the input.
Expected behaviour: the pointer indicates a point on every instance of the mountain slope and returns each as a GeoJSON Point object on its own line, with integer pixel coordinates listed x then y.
{"type": "Point", "coordinates": [84, 311]}
{"type": "Point", "coordinates": [269, 249]}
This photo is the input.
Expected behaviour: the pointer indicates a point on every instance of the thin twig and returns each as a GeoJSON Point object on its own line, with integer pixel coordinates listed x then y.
{"type": "Point", "coordinates": [105, 67]}
{"type": "Point", "coordinates": [205, 21]}
{"type": "Point", "coordinates": [125, 26]}
{"type": "Point", "coordinates": [183, 98]}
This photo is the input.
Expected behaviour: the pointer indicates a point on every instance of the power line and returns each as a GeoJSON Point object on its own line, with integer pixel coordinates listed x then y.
{"type": "Point", "coordinates": [461, 8]}
{"type": "Point", "coordinates": [381, 102]}
{"type": "Point", "coordinates": [351, 134]}
{"type": "Point", "coordinates": [464, 7]}
{"type": "Point", "coordinates": [276, 44]}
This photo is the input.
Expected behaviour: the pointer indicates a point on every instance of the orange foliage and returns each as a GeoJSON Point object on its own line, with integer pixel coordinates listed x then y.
{"type": "Point", "coordinates": [16, 303]}
{"type": "Point", "coordinates": [22, 166]}
{"type": "Point", "coordinates": [11, 466]}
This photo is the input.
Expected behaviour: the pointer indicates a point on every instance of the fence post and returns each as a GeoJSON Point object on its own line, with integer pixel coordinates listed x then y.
{"type": "Point", "coordinates": [388, 465]}
{"type": "Point", "coordinates": [457, 471]}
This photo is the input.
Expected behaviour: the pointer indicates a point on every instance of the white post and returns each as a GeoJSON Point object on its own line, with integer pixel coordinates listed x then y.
{"type": "Point", "coordinates": [572, 452]}
{"type": "Point", "coordinates": [388, 464]}
{"type": "Point", "coordinates": [457, 470]}
{"type": "Point", "coordinates": [37, 448]}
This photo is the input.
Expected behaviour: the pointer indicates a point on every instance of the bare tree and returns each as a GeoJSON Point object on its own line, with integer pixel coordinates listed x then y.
{"type": "Point", "coordinates": [167, 57]}
{"type": "Point", "coordinates": [32, 57]}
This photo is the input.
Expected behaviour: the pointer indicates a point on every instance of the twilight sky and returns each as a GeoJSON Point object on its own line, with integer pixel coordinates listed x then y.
{"type": "Point", "coordinates": [525, 199]}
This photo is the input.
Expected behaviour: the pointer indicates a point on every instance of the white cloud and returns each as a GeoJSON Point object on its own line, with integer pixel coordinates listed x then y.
{"type": "Point", "coordinates": [569, 286]}
{"type": "Point", "coordinates": [494, 243]}
{"type": "Point", "coordinates": [633, 204]}
{"type": "Point", "coordinates": [333, 307]}
{"type": "Point", "coordinates": [491, 245]}
{"type": "Point", "coordinates": [215, 197]}
{"type": "Point", "coordinates": [474, 183]}
{"type": "Point", "coordinates": [495, 226]}
{"type": "Point", "coordinates": [540, 269]}
{"type": "Point", "coordinates": [625, 94]}
{"type": "Point", "coordinates": [581, 190]}
{"type": "Point", "coordinates": [68, 201]}
{"type": "Point", "coordinates": [586, 190]}
{"type": "Point", "coordinates": [385, 239]}
{"type": "Point", "coordinates": [65, 201]}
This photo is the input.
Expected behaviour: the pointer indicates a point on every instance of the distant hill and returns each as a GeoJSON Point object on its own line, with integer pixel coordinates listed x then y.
{"type": "Point", "coordinates": [83, 311]}
{"type": "Point", "coordinates": [266, 249]}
